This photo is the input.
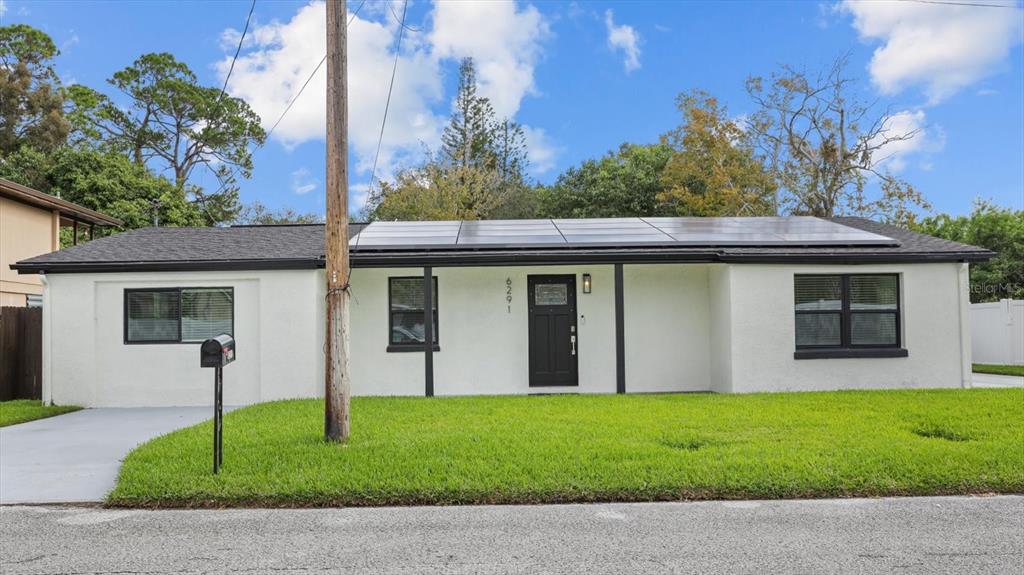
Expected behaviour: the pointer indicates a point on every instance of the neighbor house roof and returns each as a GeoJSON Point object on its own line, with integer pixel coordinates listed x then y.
{"type": "Point", "coordinates": [68, 210]}
{"type": "Point", "coordinates": [302, 246]}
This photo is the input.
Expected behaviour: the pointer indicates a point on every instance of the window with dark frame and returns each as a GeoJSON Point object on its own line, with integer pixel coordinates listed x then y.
{"type": "Point", "coordinates": [178, 315]}
{"type": "Point", "coordinates": [406, 329]}
{"type": "Point", "coordinates": [847, 311]}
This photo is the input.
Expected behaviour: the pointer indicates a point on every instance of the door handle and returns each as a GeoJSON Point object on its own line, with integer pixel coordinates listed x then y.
{"type": "Point", "coordinates": [572, 340]}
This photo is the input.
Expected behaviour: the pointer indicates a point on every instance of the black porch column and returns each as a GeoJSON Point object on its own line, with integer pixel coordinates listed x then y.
{"type": "Point", "coordinates": [428, 329]}
{"type": "Point", "coordinates": [620, 336]}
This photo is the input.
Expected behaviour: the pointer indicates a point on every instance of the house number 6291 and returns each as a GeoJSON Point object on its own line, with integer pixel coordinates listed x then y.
{"type": "Point", "coordinates": [508, 293]}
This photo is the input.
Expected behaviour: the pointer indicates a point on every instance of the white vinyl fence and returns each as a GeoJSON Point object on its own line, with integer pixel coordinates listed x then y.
{"type": "Point", "coordinates": [997, 332]}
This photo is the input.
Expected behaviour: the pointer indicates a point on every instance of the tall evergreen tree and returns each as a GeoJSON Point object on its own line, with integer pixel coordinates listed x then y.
{"type": "Point", "coordinates": [466, 141]}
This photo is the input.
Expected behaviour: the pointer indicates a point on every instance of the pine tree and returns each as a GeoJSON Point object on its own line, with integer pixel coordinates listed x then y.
{"type": "Point", "coordinates": [466, 141]}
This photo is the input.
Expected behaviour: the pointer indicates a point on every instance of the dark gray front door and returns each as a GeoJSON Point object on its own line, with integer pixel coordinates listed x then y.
{"type": "Point", "coordinates": [553, 337]}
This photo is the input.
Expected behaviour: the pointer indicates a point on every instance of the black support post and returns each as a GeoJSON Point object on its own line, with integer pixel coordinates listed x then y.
{"type": "Point", "coordinates": [218, 418]}
{"type": "Point", "coordinates": [428, 329]}
{"type": "Point", "coordinates": [620, 336]}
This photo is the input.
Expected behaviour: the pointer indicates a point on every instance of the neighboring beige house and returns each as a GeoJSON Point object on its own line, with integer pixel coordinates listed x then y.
{"type": "Point", "coordinates": [30, 223]}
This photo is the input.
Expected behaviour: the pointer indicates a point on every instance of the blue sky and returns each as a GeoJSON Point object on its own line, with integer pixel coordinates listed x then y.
{"type": "Point", "coordinates": [582, 76]}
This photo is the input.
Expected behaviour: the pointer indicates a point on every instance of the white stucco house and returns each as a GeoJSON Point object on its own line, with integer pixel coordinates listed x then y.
{"type": "Point", "coordinates": [627, 305]}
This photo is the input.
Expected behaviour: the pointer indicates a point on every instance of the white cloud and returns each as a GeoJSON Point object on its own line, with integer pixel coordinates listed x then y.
{"type": "Point", "coordinates": [941, 47]}
{"type": "Point", "coordinates": [303, 182]}
{"type": "Point", "coordinates": [541, 151]}
{"type": "Point", "coordinates": [359, 194]}
{"type": "Point", "coordinates": [625, 38]}
{"type": "Point", "coordinates": [281, 56]}
{"type": "Point", "coordinates": [927, 140]}
{"type": "Point", "coordinates": [3, 7]}
{"type": "Point", "coordinates": [71, 41]}
{"type": "Point", "coordinates": [504, 41]}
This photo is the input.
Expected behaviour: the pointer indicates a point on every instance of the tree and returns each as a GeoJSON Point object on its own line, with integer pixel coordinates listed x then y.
{"type": "Point", "coordinates": [468, 137]}
{"type": "Point", "coordinates": [509, 151]}
{"type": "Point", "coordinates": [474, 137]}
{"type": "Point", "coordinates": [175, 125]}
{"type": "Point", "coordinates": [103, 181]}
{"type": "Point", "coordinates": [31, 101]}
{"type": "Point", "coordinates": [989, 226]}
{"type": "Point", "coordinates": [713, 170]}
{"type": "Point", "coordinates": [257, 213]}
{"type": "Point", "coordinates": [478, 173]}
{"type": "Point", "coordinates": [825, 146]}
{"type": "Point", "coordinates": [626, 183]}
{"type": "Point", "coordinates": [436, 191]}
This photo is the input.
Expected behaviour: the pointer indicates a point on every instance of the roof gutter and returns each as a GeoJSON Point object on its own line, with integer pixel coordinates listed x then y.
{"type": "Point", "coordinates": [176, 266]}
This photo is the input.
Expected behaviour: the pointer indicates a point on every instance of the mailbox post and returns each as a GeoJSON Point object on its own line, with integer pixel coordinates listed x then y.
{"type": "Point", "coordinates": [217, 352]}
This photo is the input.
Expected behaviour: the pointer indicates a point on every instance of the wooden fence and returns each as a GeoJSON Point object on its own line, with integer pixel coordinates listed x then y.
{"type": "Point", "coordinates": [21, 353]}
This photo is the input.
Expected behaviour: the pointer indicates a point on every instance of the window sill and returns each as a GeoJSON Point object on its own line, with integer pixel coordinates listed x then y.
{"type": "Point", "coordinates": [850, 353]}
{"type": "Point", "coordinates": [409, 348]}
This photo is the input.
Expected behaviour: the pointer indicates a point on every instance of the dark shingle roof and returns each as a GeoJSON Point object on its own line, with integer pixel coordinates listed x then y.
{"type": "Point", "coordinates": [301, 246]}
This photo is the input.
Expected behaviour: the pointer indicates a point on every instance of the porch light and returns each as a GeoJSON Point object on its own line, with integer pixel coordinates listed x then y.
{"type": "Point", "coordinates": [586, 283]}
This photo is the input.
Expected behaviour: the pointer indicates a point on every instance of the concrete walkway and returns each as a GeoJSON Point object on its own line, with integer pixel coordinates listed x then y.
{"type": "Point", "coordinates": [75, 457]}
{"type": "Point", "coordinates": [919, 535]}
{"type": "Point", "coordinates": [992, 380]}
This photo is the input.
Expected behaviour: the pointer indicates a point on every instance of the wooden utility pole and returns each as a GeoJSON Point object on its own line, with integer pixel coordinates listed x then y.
{"type": "Point", "coordinates": [336, 384]}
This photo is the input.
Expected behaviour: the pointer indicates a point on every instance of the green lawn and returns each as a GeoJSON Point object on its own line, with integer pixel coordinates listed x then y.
{"type": "Point", "coordinates": [594, 448]}
{"type": "Point", "coordinates": [22, 410]}
{"type": "Point", "coordinates": [1017, 370]}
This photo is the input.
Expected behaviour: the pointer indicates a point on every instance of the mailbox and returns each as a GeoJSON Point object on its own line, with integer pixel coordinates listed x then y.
{"type": "Point", "coordinates": [217, 351]}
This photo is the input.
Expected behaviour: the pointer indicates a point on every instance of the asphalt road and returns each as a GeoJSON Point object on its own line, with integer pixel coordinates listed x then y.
{"type": "Point", "coordinates": [955, 535]}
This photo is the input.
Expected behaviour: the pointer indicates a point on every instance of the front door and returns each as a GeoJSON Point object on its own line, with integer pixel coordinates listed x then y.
{"type": "Point", "coordinates": [553, 337]}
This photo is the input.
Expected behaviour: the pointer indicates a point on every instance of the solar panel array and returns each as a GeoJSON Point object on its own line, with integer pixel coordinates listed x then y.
{"type": "Point", "coordinates": [613, 232]}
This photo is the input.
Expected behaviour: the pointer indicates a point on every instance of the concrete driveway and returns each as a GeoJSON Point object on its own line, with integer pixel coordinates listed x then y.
{"type": "Point", "coordinates": [74, 457]}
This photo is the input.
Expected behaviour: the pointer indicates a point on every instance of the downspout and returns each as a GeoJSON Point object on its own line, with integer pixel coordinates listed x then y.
{"type": "Point", "coordinates": [966, 369]}
{"type": "Point", "coordinates": [47, 388]}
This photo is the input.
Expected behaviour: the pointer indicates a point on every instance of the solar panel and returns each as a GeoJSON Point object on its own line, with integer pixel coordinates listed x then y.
{"type": "Point", "coordinates": [510, 233]}
{"type": "Point", "coordinates": [407, 234]}
{"type": "Point", "coordinates": [614, 232]}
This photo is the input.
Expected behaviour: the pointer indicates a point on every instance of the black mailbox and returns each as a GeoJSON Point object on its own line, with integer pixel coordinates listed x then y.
{"type": "Point", "coordinates": [217, 351]}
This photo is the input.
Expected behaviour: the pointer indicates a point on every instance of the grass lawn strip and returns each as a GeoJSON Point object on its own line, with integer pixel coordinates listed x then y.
{"type": "Point", "coordinates": [572, 448]}
{"type": "Point", "coordinates": [22, 410]}
{"type": "Point", "coordinates": [1017, 370]}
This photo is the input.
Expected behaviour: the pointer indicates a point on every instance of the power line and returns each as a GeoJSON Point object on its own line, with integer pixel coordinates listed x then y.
{"type": "Point", "coordinates": [234, 171]}
{"type": "Point", "coordinates": [402, 21]}
{"type": "Point", "coordinates": [387, 104]}
{"type": "Point", "coordinates": [224, 88]}
{"type": "Point", "coordinates": [238, 50]}
{"type": "Point", "coordinates": [310, 77]}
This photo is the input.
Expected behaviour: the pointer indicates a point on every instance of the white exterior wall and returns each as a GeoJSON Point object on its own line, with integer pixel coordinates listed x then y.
{"type": "Point", "coordinates": [667, 326]}
{"type": "Point", "coordinates": [763, 336]}
{"type": "Point", "coordinates": [713, 327]}
{"type": "Point", "coordinates": [720, 328]}
{"type": "Point", "coordinates": [484, 347]}
{"type": "Point", "coordinates": [278, 329]}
